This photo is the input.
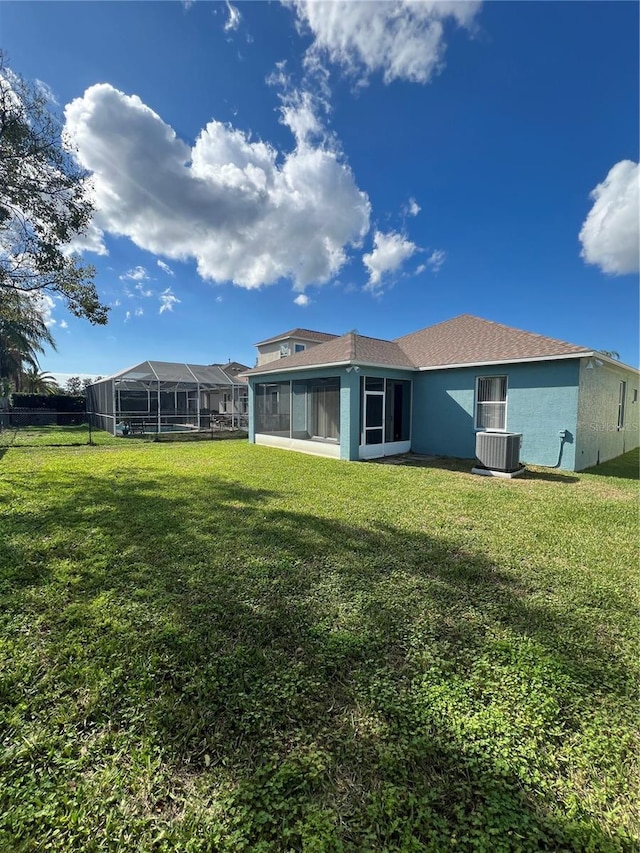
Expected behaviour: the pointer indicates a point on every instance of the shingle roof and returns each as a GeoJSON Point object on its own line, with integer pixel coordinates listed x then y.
{"type": "Point", "coordinates": [467, 340]}
{"type": "Point", "coordinates": [341, 350]}
{"type": "Point", "coordinates": [463, 340]}
{"type": "Point", "coordinates": [303, 334]}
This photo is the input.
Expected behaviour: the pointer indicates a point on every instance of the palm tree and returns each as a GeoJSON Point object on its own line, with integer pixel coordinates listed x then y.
{"type": "Point", "coordinates": [23, 335]}
{"type": "Point", "coordinates": [35, 381]}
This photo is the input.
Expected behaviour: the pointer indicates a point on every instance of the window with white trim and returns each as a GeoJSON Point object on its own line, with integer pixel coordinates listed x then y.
{"type": "Point", "coordinates": [491, 402]}
{"type": "Point", "coordinates": [622, 399]}
{"type": "Point", "coordinates": [299, 348]}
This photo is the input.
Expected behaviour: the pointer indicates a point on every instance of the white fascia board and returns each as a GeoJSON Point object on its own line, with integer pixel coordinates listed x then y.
{"type": "Point", "coordinates": [411, 367]}
{"type": "Point", "coordinates": [613, 362]}
{"type": "Point", "coordinates": [587, 354]}
{"type": "Point", "coordinates": [333, 364]}
{"type": "Point", "coordinates": [295, 369]}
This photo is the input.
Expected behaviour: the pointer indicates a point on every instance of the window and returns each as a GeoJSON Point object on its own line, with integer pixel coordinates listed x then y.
{"type": "Point", "coordinates": [491, 402]}
{"type": "Point", "coordinates": [622, 398]}
{"type": "Point", "coordinates": [299, 348]}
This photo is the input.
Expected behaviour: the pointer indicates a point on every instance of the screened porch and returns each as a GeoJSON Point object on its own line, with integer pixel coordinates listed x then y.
{"type": "Point", "coordinates": [299, 409]}
{"type": "Point", "coordinates": [155, 397]}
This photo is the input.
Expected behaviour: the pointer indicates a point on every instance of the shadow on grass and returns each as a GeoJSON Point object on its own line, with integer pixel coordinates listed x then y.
{"type": "Point", "coordinates": [349, 683]}
{"type": "Point", "coordinates": [626, 467]}
{"type": "Point", "coordinates": [549, 475]}
{"type": "Point", "coordinates": [464, 466]}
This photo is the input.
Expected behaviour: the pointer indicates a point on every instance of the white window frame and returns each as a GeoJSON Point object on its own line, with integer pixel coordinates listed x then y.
{"type": "Point", "coordinates": [299, 348]}
{"type": "Point", "coordinates": [504, 403]}
{"type": "Point", "coordinates": [622, 403]}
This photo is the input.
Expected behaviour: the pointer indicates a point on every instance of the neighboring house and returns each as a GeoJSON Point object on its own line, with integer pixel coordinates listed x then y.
{"type": "Point", "coordinates": [289, 343]}
{"type": "Point", "coordinates": [232, 401]}
{"type": "Point", "coordinates": [354, 397]}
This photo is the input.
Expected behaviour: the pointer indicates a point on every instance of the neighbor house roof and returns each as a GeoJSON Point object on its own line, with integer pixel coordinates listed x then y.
{"type": "Point", "coordinates": [233, 369]}
{"type": "Point", "coordinates": [301, 334]}
{"type": "Point", "coordinates": [464, 340]}
{"type": "Point", "coordinates": [471, 340]}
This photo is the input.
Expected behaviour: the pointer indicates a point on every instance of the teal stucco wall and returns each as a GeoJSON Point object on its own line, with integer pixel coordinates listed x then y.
{"type": "Point", "coordinates": [598, 436]}
{"type": "Point", "coordinates": [542, 400]}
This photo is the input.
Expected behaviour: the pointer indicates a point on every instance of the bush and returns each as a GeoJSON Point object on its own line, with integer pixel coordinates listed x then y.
{"type": "Point", "coordinates": [69, 410]}
{"type": "Point", "coordinates": [55, 402]}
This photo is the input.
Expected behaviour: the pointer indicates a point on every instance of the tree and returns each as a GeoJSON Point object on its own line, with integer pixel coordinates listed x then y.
{"type": "Point", "coordinates": [88, 381]}
{"type": "Point", "coordinates": [23, 335]}
{"type": "Point", "coordinates": [73, 385]}
{"type": "Point", "coordinates": [35, 381]}
{"type": "Point", "coordinates": [44, 202]}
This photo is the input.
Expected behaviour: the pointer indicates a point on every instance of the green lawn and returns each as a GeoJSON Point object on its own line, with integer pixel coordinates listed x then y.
{"type": "Point", "coordinates": [221, 647]}
{"type": "Point", "coordinates": [52, 436]}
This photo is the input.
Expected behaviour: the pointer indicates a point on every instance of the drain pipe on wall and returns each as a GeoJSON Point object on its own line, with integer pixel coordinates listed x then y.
{"type": "Point", "coordinates": [564, 436]}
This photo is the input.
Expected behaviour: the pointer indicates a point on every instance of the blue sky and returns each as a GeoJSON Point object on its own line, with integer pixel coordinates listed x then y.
{"type": "Point", "coordinates": [338, 166]}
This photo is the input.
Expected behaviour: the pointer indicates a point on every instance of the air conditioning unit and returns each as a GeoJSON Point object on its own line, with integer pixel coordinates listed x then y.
{"type": "Point", "coordinates": [498, 453]}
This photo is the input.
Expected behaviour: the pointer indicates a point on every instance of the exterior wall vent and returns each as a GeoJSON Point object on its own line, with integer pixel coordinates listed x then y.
{"type": "Point", "coordinates": [499, 451]}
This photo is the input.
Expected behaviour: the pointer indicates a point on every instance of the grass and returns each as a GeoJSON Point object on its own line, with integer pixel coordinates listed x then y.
{"type": "Point", "coordinates": [223, 647]}
{"type": "Point", "coordinates": [52, 436]}
{"type": "Point", "coordinates": [76, 435]}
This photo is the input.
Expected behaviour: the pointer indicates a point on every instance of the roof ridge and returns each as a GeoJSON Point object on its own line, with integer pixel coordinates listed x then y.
{"type": "Point", "coordinates": [298, 330]}
{"type": "Point", "coordinates": [439, 323]}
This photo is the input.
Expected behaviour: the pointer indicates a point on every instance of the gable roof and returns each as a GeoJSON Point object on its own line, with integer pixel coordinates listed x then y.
{"type": "Point", "coordinates": [464, 340]}
{"type": "Point", "coordinates": [302, 334]}
{"type": "Point", "coordinates": [345, 349]}
{"type": "Point", "coordinates": [471, 340]}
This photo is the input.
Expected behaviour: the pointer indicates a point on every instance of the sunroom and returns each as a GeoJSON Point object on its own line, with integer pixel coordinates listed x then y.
{"type": "Point", "coordinates": [347, 415]}
{"type": "Point", "coordinates": [299, 414]}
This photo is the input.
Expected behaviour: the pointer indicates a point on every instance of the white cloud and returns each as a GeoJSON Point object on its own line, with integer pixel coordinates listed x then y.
{"type": "Point", "coordinates": [165, 268]}
{"type": "Point", "coordinates": [91, 240]}
{"type": "Point", "coordinates": [46, 91]}
{"type": "Point", "coordinates": [142, 291]}
{"type": "Point", "coordinates": [168, 300]}
{"type": "Point", "coordinates": [403, 39]}
{"type": "Point", "coordinates": [233, 21]}
{"type": "Point", "coordinates": [245, 213]}
{"type": "Point", "coordinates": [139, 312]}
{"type": "Point", "coordinates": [436, 259]}
{"type": "Point", "coordinates": [390, 251]}
{"type": "Point", "coordinates": [136, 274]}
{"type": "Point", "coordinates": [413, 208]}
{"type": "Point", "coordinates": [127, 316]}
{"type": "Point", "coordinates": [43, 304]}
{"type": "Point", "coordinates": [610, 233]}
{"type": "Point", "coordinates": [219, 299]}
{"type": "Point", "coordinates": [64, 324]}
{"type": "Point", "coordinates": [302, 300]}
{"type": "Point", "coordinates": [299, 113]}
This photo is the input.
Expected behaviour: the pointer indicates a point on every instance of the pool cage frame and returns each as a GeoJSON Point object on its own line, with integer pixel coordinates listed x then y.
{"type": "Point", "coordinates": [160, 396]}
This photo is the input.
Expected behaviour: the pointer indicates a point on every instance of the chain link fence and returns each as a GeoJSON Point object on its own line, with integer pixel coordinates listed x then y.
{"type": "Point", "coordinates": [48, 428]}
